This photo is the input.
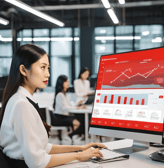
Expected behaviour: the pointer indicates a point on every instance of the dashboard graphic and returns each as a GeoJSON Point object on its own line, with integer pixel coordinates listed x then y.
{"type": "Point", "coordinates": [130, 92]}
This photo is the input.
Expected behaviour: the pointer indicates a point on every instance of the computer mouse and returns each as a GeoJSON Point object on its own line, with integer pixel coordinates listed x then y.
{"type": "Point", "coordinates": [97, 158]}
{"type": "Point", "coordinates": [161, 152]}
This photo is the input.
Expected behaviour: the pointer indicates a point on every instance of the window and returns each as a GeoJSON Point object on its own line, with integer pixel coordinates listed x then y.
{"type": "Point", "coordinates": [124, 39]}
{"type": "Point", "coordinates": [24, 37]}
{"type": "Point", "coordinates": [151, 36]}
{"type": "Point", "coordinates": [104, 44]}
{"type": "Point", "coordinates": [127, 38]}
{"type": "Point", "coordinates": [61, 51]}
{"type": "Point", "coordinates": [6, 52]}
{"type": "Point", "coordinates": [77, 51]}
{"type": "Point", "coordinates": [41, 38]}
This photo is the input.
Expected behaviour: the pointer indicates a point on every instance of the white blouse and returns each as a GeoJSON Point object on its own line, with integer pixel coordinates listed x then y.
{"type": "Point", "coordinates": [23, 135]}
{"type": "Point", "coordinates": [62, 105]}
{"type": "Point", "coordinates": [81, 87]}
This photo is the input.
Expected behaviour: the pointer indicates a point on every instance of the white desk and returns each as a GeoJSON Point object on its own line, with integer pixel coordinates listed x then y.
{"type": "Point", "coordinates": [136, 160]}
{"type": "Point", "coordinates": [86, 112]}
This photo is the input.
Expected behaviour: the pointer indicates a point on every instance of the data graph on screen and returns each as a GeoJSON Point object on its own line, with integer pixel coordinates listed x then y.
{"type": "Point", "coordinates": [135, 74]}
{"type": "Point", "coordinates": [124, 99]}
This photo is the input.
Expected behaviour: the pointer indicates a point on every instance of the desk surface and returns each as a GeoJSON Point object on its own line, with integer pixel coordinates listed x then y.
{"type": "Point", "coordinates": [88, 109]}
{"type": "Point", "coordinates": [136, 160]}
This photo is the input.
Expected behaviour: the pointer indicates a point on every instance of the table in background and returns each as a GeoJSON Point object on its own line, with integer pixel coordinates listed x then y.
{"type": "Point", "coordinates": [136, 160]}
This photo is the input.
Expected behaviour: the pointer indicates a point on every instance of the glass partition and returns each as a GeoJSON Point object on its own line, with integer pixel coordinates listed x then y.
{"type": "Point", "coordinates": [61, 51]}
{"type": "Point", "coordinates": [6, 52]}
{"type": "Point", "coordinates": [151, 36]}
{"type": "Point", "coordinates": [104, 44]}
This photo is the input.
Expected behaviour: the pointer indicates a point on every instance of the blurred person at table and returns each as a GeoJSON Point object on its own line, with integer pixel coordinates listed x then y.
{"type": "Point", "coordinates": [24, 133]}
{"type": "Point", "coordinates": [61, 116]}
{"type": "Point", "coordinates": [82, 85]}
{"type": "Point", "coordinates": [82, 90]}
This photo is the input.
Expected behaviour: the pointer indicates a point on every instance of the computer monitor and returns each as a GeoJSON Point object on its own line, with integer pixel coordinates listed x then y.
{"type": "Point", "coordinates": [129, 98]}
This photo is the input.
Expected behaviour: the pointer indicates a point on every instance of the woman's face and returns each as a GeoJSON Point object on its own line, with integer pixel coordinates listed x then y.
{"type": "Point", "coordinates": [85, 75]}
{"type": "Point", "coordinates": [66, 85]}
{"type": "Point", "coordinates": [38, 75]}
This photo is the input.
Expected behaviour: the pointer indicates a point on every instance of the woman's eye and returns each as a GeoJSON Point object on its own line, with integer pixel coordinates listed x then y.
{"type": "Point", "coordinates": [43, 67]}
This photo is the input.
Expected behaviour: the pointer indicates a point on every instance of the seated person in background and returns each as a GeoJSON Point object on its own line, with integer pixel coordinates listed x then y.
{"type": "Point", "coordinates": [82, 90]}
{"type": "Point", "coordinates": [24, 134]}
{"type": "Point", "coordinates": [82, 85]}
{"type": "Point", "coordinates": [61, 116]}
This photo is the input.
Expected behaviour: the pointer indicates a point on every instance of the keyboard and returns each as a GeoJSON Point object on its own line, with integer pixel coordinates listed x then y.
{"type": "Point", "coordinates": [109, 155]}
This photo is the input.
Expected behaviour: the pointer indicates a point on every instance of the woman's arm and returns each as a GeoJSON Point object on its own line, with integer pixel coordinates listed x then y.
{"type": "Point", "coordinates": [56, 149]}
{"type": "Point", "coordinates": [64, 104]}
{"type": "Point", "coordinates": [81, 156]}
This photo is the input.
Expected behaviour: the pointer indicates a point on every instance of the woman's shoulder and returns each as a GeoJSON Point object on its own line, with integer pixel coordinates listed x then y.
{"type": "Point", "coordinates": [87, 81]}
{"type": "Point", "coordinates": [15, 101]}
{"type": "Point", "coordinates": [16, 98]}
{"type": "Point", "coordinates": [76, 80]}
{"type": "Point", "coordinates": [60, 94]}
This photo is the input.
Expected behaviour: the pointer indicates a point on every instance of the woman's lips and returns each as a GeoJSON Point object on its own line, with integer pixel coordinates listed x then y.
{"type": "Point", "coordinates": [45, 82]}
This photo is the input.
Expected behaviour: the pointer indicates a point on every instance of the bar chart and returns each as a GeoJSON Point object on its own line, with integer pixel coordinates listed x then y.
{"type": "Point", "coordinates": [124, 99]}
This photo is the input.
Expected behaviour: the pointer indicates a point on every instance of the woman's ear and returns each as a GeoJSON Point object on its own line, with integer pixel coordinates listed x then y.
{"type": "Point", "coordinates": [22, 70]}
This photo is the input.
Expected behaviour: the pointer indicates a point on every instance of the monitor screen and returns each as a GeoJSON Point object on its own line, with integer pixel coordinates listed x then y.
{"type": "Point", "coordinates": [129, 98]}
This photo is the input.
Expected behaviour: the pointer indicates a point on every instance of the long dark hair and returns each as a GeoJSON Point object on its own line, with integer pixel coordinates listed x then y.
{"type": "Point", "coordinates": [27, 55]}
{"type": "Point", "coordinates": [59, 86]}
{"type": "Point", "coordinates": [84, 69]}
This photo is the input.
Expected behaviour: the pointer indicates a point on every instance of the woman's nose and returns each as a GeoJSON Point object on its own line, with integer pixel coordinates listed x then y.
{"type": "Point", "coordinates": [48, 74]}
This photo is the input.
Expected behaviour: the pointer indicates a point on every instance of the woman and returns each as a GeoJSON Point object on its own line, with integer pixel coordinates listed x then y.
{"type": "Point", "coordinates": [24, 135]}
{"type": "Point", "coordinates": [62, 106]}
{"type": "Point", "coordinates": [82, 85]}
{"type": "Point", "coordinates": [82, 90]}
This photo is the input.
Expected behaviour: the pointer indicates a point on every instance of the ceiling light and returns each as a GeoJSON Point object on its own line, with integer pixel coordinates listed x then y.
{"type": "Point", "coordinates": [61, 39]}
{"type": "Point", "coordinates": [106, 3]}
{"type": "Point", "coordinates": [104, 38]}
{"type": "Point", "coordinates": [145, 33]}
{"type": "Point", "coordinates": [4, 21]}
{"type": "Point", "coordinates": [41, 39]}
{"type": "Point", "coordinates": [117, 38]}
{"type": "Point", "coordinates": [5, 39]}
{"type": "Point", "coordinates": [76, 38]}
{"type": "Point", "coordinates": [35, 12]}
{"type": "Point", "coordinates": [127, 37]}
{"type": "Point", "coordinates": [157, 40]}
{"type": "Point", "coordinates": [113, 16]}
{"type": "Point", "coordinates": [121, 2]}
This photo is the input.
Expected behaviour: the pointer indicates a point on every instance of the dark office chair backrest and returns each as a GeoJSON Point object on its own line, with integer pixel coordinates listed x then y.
{"type": "Point", "coordinates": [3, 161]}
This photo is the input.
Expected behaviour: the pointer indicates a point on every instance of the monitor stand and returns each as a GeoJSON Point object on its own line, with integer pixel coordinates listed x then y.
{"type": "Point", "coordinates": [136, 147]}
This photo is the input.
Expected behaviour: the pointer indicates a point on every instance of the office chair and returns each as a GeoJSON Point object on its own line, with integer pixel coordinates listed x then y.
{"type": "Point", "coordinates": [54, 128]}
{"type": "Point", "coordinates": [3, 161]}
